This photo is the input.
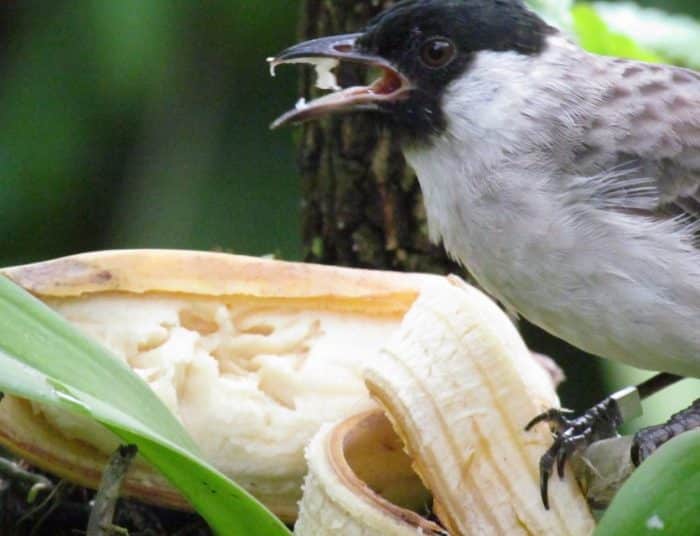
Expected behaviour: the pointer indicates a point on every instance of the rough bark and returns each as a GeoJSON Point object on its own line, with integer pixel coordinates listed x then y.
{"type": "Point", "coordinates": [361, 202]}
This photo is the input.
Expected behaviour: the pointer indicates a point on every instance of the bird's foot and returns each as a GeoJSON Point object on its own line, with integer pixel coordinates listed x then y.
{"type": "Point", "coordinates": [572, 435]}
{"type": "Point", "coordinates": [647, 440]}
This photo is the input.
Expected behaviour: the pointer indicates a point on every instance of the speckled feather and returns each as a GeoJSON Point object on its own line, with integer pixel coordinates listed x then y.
{"type": "Point", "coordinates": [647, 123]}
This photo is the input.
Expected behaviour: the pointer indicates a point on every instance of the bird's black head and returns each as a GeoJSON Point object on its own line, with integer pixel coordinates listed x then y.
{"type": "Point", "coordinates": [421, 46]}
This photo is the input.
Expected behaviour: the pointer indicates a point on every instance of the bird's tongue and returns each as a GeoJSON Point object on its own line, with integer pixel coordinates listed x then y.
{"type": "Point", "coordinates": [388, 84]}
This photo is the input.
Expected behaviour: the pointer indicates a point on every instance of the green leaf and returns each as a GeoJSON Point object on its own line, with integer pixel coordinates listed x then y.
{"type": "Point", "coordinates": [661, 497]}
{"type": "Point", "coordinates": [43, 358]}
{"type": "Point", "coordinates": [595, 36]}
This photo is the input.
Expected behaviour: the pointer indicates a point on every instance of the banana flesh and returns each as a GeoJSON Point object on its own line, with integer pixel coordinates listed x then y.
{"type": "Point", "coordinates": [252, 355]}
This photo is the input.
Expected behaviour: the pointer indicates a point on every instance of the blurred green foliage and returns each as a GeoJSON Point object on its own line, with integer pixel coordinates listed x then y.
{"type": "Point", "coordinates": [594, 35]}
{"type": "Point", "coordinates": [690, 7]}
{"type": "Point", "coordinates": [136, 123]}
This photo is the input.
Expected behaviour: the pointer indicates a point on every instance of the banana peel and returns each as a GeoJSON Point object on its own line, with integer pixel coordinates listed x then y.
{"type": "Point", "coordinates": [460, 391]}
{"type": "Point", "coordinates": [361, 481]}
{"type": "Point", "coordinates": [458, 385]}
{"type": "Point", "coordinates": [259, 357]}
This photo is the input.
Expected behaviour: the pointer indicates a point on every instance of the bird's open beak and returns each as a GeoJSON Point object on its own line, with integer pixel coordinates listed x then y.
{"type": "Point", "coordinates": [325, 54]}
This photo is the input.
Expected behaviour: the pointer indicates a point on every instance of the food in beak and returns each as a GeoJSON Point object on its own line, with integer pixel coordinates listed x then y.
{"type": "Point", "coordinates": [325, 77]}
{"type": "Point", "coordinates": [325, 55]}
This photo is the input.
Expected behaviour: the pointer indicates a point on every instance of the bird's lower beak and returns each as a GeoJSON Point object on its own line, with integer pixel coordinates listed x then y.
{"type": "Point", "coordinates": [325, 54]}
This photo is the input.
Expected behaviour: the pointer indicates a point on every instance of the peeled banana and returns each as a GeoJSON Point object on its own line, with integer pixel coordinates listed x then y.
{"type": "Point", "coordinates": [262, 359]}
{"type": "Point", "coordinates": [252, 355]}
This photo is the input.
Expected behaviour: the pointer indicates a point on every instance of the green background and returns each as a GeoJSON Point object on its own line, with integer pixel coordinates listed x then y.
{"type": "Point", "coordinates": [144, 123]}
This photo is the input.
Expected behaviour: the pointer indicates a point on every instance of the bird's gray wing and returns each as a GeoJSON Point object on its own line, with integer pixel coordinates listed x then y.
{"type": "Point", "coordinates": [646, 131]}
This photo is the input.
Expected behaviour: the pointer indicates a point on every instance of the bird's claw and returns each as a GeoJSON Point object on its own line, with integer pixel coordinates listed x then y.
{"type": "Point", "coordinates": [572, 435]}
{"type": "Point", "coordinates": [647, 440]}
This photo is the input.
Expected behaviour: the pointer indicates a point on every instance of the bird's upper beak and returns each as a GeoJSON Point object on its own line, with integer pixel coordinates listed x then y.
{"type": "Point", "coordinates": [325, 53]}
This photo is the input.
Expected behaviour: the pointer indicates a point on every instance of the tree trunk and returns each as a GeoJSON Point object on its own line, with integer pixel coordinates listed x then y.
{"type": "Point", "coordinates": [362, 205]}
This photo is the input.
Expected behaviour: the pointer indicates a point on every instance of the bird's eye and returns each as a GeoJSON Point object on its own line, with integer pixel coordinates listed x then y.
{"type": "Point", "coordinates": [437, 52]}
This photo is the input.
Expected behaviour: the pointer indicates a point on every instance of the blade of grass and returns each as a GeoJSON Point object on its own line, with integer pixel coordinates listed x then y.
{"type": "Point", "coordinates": [41, 339]}
{"type": "Point", "coordinates": [44, 358]}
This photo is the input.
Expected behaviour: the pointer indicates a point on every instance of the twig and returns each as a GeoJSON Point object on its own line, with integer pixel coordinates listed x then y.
{"type": "Point", "coordinates": [102, 513]}
{"type": "Point", "coordinates": [55, 503]}
{"type": "Point", "coordinates": [49, 504]}
{"type": "Point", "coordinates": [15, 472]}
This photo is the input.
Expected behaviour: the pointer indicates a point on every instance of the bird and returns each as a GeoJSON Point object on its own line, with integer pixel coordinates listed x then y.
{"type": "Point", "coordinates": [567, 183]}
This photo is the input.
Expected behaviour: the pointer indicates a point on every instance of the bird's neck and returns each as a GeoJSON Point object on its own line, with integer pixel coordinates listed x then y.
{"type": "Point", "coordinates": [509, 115]}
{"type": "Point", "coordinates": [508, 119]}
